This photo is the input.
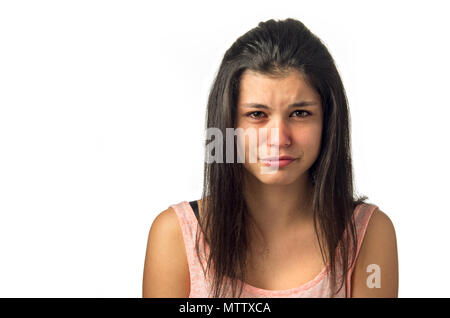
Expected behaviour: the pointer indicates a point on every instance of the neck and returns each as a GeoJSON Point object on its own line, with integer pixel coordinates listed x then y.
{"type": "Point", "coordinates": [276, 209]}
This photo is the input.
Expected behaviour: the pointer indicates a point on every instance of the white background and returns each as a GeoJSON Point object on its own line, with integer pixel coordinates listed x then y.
{"type": "Point", "coordinates": [102, 107]}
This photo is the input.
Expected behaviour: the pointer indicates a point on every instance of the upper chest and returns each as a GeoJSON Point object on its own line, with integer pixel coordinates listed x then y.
{"type": "Point", "coordinates": [286, 263]}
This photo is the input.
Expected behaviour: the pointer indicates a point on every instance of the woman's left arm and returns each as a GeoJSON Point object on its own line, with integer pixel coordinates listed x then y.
{"type": "Point", "coordinates": [376, 269]}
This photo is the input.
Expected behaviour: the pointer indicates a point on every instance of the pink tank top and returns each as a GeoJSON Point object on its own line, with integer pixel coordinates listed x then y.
{"type": "Point", "coordinates": [317, 287]}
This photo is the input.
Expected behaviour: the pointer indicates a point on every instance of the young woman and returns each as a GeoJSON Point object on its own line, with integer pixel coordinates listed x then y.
{"type": "Point", "coordinates": [298, 231]}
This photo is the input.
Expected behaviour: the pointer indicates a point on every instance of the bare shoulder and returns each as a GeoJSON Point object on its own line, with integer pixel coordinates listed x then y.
{"type": "Point", "coordinates": [166, 271]}
{"type": "Point", "coordinates": [376, 268]}
{"type": "Point", "coordinates": [380, 228]}
{"type": "Point", "coordinates": [167, 220]}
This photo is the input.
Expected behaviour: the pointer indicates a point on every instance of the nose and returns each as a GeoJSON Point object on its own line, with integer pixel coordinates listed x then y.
{"type": "Point", "coordinates": [284, 134]}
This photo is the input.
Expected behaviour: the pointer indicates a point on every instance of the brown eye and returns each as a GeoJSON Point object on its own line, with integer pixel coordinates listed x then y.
{"type": "Point", "coordinates": [306, 113]}
{"type": "Point", "coordinates": [254, 115]}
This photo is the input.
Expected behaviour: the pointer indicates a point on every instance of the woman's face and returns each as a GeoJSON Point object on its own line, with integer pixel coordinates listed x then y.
{"type": "Point", "coordinates": [266, 102]}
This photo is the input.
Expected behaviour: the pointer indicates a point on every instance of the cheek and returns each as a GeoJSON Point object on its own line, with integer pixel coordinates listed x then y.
{"type": "Point", "coordinates": [309, 141]}
{"type": "Point", "coordinates": [248, 144]}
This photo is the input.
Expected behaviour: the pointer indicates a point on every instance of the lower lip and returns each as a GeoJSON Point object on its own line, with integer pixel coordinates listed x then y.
{"type": "Point", "coordinates": [279, 163]}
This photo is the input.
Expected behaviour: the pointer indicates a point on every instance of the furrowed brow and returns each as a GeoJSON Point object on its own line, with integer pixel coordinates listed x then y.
{"type": "Point", "coordinates": [294, 105]}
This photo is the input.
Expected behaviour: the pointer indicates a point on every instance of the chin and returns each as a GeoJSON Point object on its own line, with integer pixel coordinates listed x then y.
{"type": "Point", "coordinates": [280, 177]}
{"type": "Point", "coordinates": [276, 180]}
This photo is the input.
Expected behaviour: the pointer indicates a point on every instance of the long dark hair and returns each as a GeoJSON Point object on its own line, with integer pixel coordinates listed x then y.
{"type": "Point", "coordinates": [273, 48]}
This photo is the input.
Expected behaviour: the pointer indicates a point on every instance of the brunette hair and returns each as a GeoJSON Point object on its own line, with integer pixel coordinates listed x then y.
{"type": "Point", "coordinates": [275, 47]}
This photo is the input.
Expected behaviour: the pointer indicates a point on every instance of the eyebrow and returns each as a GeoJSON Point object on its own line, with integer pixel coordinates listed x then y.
{"type": "Point", "coordinates": [297, 104]}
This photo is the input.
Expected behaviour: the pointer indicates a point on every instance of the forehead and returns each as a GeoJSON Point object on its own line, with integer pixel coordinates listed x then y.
{"type": "Point", "coordinates": [271, 88]}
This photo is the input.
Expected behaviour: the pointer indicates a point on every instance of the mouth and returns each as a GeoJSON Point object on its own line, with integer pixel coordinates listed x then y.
{"type": "Point", "coordinates": [278, 162]}
{"type": "Point", "coordinates": [279, 158]}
